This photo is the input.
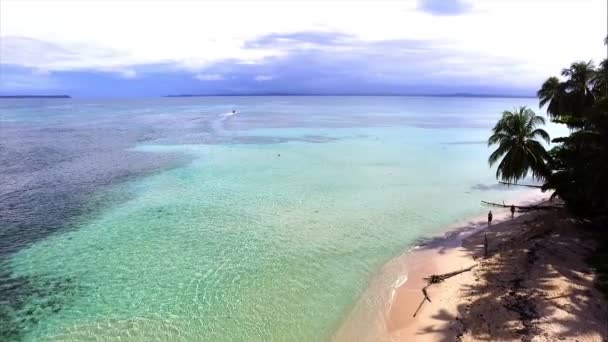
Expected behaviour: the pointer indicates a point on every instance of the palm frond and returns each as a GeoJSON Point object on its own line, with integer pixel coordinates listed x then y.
{"type": "Point", "coordinates": [499, 152]}
{"type": "Point", "coordinates": [498, 138]}
{"type": "Point", "coordinates": [542, 134]}
{"type": "Point", "coordinates": [536, 120]}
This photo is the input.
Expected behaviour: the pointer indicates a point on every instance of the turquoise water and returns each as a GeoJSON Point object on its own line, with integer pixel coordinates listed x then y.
{"type": "Point", "coordinates": [264, 225]}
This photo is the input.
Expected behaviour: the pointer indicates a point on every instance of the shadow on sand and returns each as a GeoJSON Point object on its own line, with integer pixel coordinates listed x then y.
{"type": "Point", "coordinates": [535, 285]}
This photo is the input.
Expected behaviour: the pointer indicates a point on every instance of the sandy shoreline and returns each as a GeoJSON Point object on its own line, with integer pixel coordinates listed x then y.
{"type": "Point", "coordinates": [512, 295]}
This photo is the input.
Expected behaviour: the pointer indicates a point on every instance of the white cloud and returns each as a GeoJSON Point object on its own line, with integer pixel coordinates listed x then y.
{"type": "Point", "coordinates": [45, 56]}
{"type": "Point", "coordinates": [128, 73]}
{"type": "Point", "coordinates": [262, 78]}
{"type": "Point", "coordinates": [542, 36]}
{"type": "Point", "coordinates": [209, 77]}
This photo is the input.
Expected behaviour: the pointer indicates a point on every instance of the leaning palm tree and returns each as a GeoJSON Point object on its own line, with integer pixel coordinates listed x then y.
{"type": "Point", "coordinates": [516, 134]}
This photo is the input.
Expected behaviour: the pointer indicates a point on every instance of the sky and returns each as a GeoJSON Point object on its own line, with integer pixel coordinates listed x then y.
{"type": "Point", "coordinates": [139, 48]}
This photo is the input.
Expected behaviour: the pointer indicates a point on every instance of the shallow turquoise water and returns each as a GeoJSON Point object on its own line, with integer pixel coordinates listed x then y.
{"type": "Point", "coordinates": [272, 228]}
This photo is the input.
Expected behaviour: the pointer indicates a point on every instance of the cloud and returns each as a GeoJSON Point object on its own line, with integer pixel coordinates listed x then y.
{"type": "Point", "coordinates": [262, 78]}
{"type": "Point", "coordinates": [126, 73]}
{"type": "Point", "coordinates": [193, 35]}
{"type": "Point", "coordinates": [209, 77]}
{"type": "Point", "coordinates": [299, 40]}
{"type": "Point", "coordinates": [444, 7]}
{"type": "Point", "coordinates": [344, 61]}
{"type": "Point", "coordinates": [303, 45]}
{"type": "Point", "coordinates": [46, 57]}
{"type": "Point", "coordinates": [330, 63]}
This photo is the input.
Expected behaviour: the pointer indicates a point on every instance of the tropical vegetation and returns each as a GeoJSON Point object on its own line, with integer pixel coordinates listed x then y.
{"type": "Point", "coordinates": [576, 168]}
{"type": "Point", "coordinates": [516, 135]}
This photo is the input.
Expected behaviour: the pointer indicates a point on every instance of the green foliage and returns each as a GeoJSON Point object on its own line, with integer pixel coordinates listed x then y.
{"type": "Point", "coordinates": [516, 135]}
{"type": "Point", "coordinates": [577, 168]}
{"type": "Point", "coordinates": [568, 101]}
{"type": "Point", "coordinates": [579, 164]}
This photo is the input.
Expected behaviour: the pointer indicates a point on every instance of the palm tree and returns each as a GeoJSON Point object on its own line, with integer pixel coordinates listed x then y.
{"type": "Point", "coordinates": [601, 78]}
{"type": "Point", "coordinates": [550, 95]}
{"type": "Point", "coordinates": [580, 76]}
{"type": "Point", "coordinates": [568, 101]}
{"type": "Point", "coordinates": [516, 134]}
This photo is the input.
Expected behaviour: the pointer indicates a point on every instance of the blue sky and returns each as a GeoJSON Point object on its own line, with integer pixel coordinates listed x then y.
{"type": "Point", "coordinates": [135, 48]}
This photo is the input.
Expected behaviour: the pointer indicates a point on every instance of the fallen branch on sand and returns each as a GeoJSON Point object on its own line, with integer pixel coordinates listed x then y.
{"type": "Point", "coordinates": [526, 185]}
{"type": "Point", "coordinates": [523, 207]}
{"type": "Point", "coordinates": [438, 278]}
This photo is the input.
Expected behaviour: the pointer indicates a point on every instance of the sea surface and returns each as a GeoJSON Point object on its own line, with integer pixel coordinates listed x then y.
{"type": "Point", "coordinates": [175, 219]}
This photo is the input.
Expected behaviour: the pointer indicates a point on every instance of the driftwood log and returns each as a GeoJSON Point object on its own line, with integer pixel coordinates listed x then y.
{"type": "Point", "coordinates": [523, 207]}
{"type": "Point", "coordinates": [438, 278]}
{"type": "Point", "coordinates": [526, 185]}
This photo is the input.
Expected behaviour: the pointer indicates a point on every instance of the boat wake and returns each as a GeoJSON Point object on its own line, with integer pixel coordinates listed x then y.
{"type": "Point", "coordinates": [227, 115]}
{"type": "Point", "coordinates": [218, 123]}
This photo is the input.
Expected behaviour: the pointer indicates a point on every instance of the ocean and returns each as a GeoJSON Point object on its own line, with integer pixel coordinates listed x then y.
{"type": "Point", "coordinates": [177, 219]}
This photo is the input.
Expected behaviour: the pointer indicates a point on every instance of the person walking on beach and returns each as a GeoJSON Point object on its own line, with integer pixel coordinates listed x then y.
{"type": "Point", "coordinates": [512, 211]}
{"type": "Point", "coordinates": [489, 217]}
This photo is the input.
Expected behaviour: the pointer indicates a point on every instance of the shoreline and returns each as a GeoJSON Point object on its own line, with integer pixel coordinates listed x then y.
{"type": "Point", "coordinates": [385, 311]}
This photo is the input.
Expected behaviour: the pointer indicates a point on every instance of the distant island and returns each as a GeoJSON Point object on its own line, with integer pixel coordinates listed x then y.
{"type": "Point", "coordinates": [35, 97]}
{"type": "Point", "coordinates": [472, 95]}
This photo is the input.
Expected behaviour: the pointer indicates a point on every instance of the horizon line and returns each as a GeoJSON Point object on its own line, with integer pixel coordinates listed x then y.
{"type": "Point", "coordinates": [479, 95]}
{"type": "Point", "coordinates": [270, 94]}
